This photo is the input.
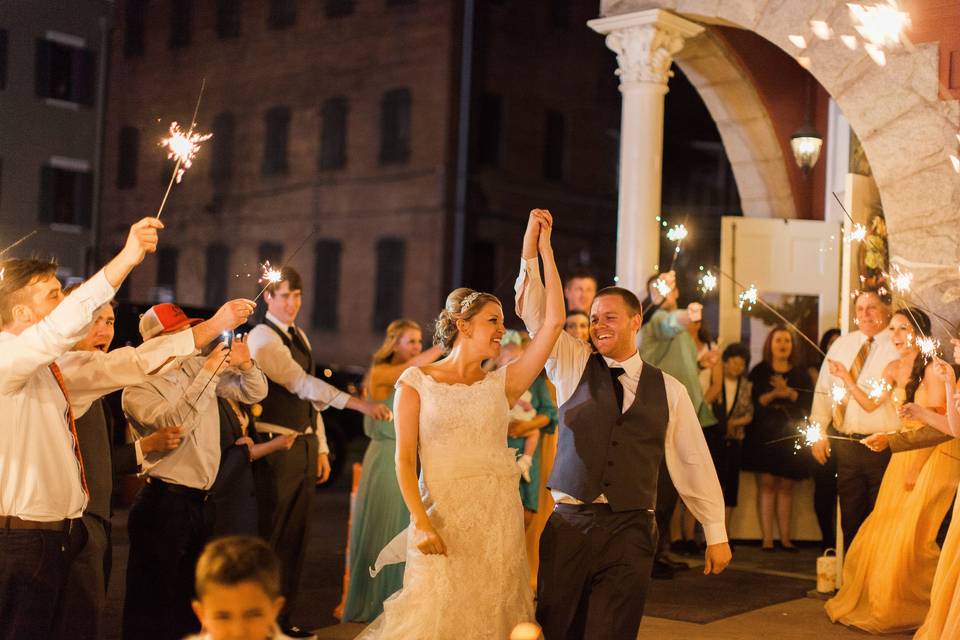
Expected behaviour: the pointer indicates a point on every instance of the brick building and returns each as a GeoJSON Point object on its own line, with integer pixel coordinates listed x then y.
{"type": "Point", "coordinates": [340, 118]}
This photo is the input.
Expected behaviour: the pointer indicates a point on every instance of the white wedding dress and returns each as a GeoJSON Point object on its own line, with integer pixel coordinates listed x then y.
{"type": "Point", "coordinates": [469, 483]}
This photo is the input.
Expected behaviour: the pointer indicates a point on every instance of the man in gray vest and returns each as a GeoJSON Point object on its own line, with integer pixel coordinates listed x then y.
{"type": "Point", "coordinates": [619, 417]}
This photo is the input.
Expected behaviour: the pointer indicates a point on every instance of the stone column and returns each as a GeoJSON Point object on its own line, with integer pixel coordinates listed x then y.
{"type": "Point", "coordinates": [645, 43]}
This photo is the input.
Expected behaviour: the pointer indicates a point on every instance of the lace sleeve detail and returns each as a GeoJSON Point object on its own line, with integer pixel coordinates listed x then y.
{"type": "Point", "coordinates": [411, 377]}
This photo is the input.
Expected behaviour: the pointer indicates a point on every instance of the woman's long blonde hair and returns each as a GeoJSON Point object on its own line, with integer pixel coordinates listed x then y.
{"type": "Point", "coordinates": [394, 332]}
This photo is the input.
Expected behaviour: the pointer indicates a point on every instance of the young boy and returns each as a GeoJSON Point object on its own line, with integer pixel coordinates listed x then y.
{"type": "Point", "coordinates": [238, 590]}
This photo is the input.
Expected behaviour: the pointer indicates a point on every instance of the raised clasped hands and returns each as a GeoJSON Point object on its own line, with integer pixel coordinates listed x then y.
{"type": "Point", "coordinates": [536, 239]}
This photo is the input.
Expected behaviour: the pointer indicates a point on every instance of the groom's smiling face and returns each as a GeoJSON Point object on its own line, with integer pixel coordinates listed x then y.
{"type": "Point", "coordinates": [613, 327]}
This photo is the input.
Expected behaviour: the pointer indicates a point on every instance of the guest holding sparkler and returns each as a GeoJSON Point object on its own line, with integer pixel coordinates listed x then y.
{"type": "Point", "coordinates": [780, 402]}
{"type": "Point", "coordinates": [379, 512]}
{"type": "Point", "coordinates": [890, 566]}
{"type": "Point", "coordinates": [172, 518]}
{"type": "Point", "coordinates": [293, 406]}
{"type": "Point", "coordinates": [864, 354]}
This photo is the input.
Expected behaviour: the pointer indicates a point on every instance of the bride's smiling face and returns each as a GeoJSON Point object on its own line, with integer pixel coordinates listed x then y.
{"type": "Point", "coordinates": [483, 331]}
{"type": "Point", "coordinates": [902, 335]}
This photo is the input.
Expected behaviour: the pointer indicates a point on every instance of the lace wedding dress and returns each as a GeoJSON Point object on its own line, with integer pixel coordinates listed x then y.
{"type": "Point", "coordinates": [469, 484]}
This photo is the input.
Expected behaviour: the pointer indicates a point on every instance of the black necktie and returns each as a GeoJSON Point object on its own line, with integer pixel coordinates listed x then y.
{"type": "Point", "coordinates": [295, 337]}
{"type": "Point", "coordinates": [617, 386]}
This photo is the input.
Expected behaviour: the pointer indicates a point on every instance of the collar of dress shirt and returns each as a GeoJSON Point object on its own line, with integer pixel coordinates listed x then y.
{"type": "Point", "coordinates": [275, 320]}
{"type": "Point", "coordinates": [631, 366]}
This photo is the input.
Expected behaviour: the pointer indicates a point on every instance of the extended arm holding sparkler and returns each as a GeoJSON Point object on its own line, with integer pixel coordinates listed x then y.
{"type": "Point", "coordinates": [870, 399]}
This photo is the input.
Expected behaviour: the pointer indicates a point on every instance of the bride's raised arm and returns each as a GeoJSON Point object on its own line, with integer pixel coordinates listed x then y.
{"type": "Point", "coordinates": [522, 372]}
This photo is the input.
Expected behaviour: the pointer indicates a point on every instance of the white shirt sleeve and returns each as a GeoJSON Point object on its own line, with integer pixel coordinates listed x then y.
{"type": "Point", "coordinates": [822, 409]}
{"type": "Point", "coordinates": [690, 465]}
{"type": "Point", "coordinates": [274, 358]}
{"type": "Point", "coordinates": [321, 431]}
{"type": "Point", "coordinates": [44, 342]}
{"type": "Point", "coordinates": [248, 386]}
{"type": "Point", "coordinates": [90, 375]}
{"type": "Point", "coordinates": [148, 408]}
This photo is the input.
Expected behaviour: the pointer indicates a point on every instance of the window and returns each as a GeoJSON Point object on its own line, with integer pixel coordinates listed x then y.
{"type": "Point", "coordinates": [277, 123]}
{"type": "Point", "coordinates": [283, 14]}
{"type": "Point", "coordinates": [181, 23]}
{"type": "Point", "coordinates": [560, 13]}
{"type": "Point", "coordinates": [333, 135]}
{"type": "Point", "coordinates": [553, 146]}
{"type": "Point", "coordinates": [271, 252]}
{"type": "Point", "coordinates": [487, 143]}
{"type": "Point", "coordinates": [395, 127]}
{"type": "Point", "coordinates": [134, 27]}
{"type": "Point", "coordinates": [388, 300]}
{"type": "Point", "coordinates": [66, 194]}
{"type": "Point", "coordinates": [397, 3]}
{"type": "Point", "coordinates": [338, 8]}
{"type": "Point", "coordinates": [482, 272]}
{"type": "Point", "coordinates": [3, 58]}
{"type": "Point", "coordinates": [215, 286]}
{"type": "Point", "coordinates": [65, 72]}
{"type": "Point", "coordinates": [166, 274]}
{"type": "Point", "coordinates": [127, 158]}
{"type": "Point", "coordinates": [326, 285]}
{"type": "Point", "coordinates": [221, 157]}
{"type": "Point", "coordinates": [228, 19]}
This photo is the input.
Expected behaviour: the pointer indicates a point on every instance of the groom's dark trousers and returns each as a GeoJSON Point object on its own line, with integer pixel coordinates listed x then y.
{"type": "Point", "coordinates": [594, 571]}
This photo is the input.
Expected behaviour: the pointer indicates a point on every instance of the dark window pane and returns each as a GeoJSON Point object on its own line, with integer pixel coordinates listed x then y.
{"type": "Point", "coordinates": [395, 126]}
{"type": "Point", "coordinates": [388, 300]}
{"type": "Point", "coordinates": [3, 58]}
{"type": "Point", "coordinates": [228, 18]}
{"type": "Point", "coordinates": [167, 270]}
{"type": "Point", "coordinates": [221, 157]}
{"type": "Point", "coordinates": [64, 72]}
{"type": "Point", "coordinates": [397, 3]}
{"type": "Point", "coordinates": [134, 26]}
{"type": "Point", "coordinates": [482, 270]}
{"type": "Point", "coordinates": [560, 13]}
{"type": "Point", "coordinates": [487, 143]}
{"type": "Point", "coordinates": [181, 23]}
{"type": "Point", "coordinates": [553, 146]}
{"type": "Point", "coordinates": [326, 285]}
{"type": "Point", "coordinates": [277, 123]}
{"type": "Point", "coordinates": [127, 162]}
{"type": "Point", "coordinates": [283, 13]}
{"type": "Point", "coordinates": [215, 286]}
{"type": "Point", "coordinates": [333, 136]}
{"type": "Point", "coordinates": [65, 196]}
{"type": "Point", "coordinates": [338, 8]}
{"type": "Point", "coordinates": [271, 252]}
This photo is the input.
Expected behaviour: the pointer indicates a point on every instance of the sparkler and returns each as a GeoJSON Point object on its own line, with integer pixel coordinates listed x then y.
{"type": "Point", "coordinates": [900, 280]}
{"type": "Point", "coordinates": [876, 389]}
{"type": "Point", "coordinates": [928, 346]}
{"type": "Point", "coordinates": [676, 234]}
{"type": "Point", "coordinates": [809, 433]}
{"type": "Point", "coordinates": [748, 298]}
{"type": "Point", "coordinates": [708, 282]}
{"type": "Point", "coordinates": [269, 275]}
{"type": "Point", "coordinates": [183, 147]}
{"type": "Point", "coordinates": [857, 234]}
{"type": "Point", "coordinates": [662, 287]}
{"type": "Point", "coordinates": [21, 240]}
{"type": "Point", "coordinates": [838, 393]}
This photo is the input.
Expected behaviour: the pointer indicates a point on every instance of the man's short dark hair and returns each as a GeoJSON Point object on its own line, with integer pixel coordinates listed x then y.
{"type": "Point", "coordinates": [288, 275]}
{"type": "Point", "coordinates": [582, 274]}
{"type": "Point", "coordinates": [628, 297]}
{"type": "Point", "coordinates": [737, 350]}
{"type": "Point", "coordinates": [15, 275]}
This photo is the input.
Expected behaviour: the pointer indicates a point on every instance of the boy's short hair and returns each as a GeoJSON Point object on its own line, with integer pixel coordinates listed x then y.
{"type": "Point", "coordinates": [288, 275]}
{"type": "Point", "coordinates": [580, 274]}
{"type": "Point", "coordinates": [232, 560]}
{"type": "Point", "coordinates": [737, 350]}
{"type": "Point", "coordinates": [15, 275]}
{"type": "Point", "coordinates": [628, 297]}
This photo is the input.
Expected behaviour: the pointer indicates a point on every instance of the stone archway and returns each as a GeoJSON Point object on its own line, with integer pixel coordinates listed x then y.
{"type": "Point", "coordinates": [906, 129]}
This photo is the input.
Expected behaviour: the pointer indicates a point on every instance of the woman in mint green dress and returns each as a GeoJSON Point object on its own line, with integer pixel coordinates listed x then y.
{"type": "Point", "coordinates": [379, 512]}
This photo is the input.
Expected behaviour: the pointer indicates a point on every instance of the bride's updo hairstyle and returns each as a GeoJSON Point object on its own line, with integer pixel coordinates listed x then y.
{"type": "Point", "coordinates": [462, 304]}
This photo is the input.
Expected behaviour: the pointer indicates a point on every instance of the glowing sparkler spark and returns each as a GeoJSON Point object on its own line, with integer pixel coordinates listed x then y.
{"type": "Point", "coordinates": [876, 389]}
{"type": "Point", "coordinates": [900, 280]}
{"type": "Point", "coordinates": [708, 282]}
{"type": "Point", "coordinates": [880, 24]}
{"type": "Point", "coordinates": [662, 287]}
{"type": "Point", "coordinates": [748, 298]}
{"type": "Point", "coordinates": [928, 346]}
{"type": "Point", "coordinates": [182, 146]}
{"type": "Point", "coordinates": [838, 393]}
{"type": "Point", "coordinates": [677, 233]}
{"type": "Point", "coordinates": [857, 234]}
{"type": "Point", "coordinates": [812, 433]}
{"type": "Point", "coordinates": [269, 275]}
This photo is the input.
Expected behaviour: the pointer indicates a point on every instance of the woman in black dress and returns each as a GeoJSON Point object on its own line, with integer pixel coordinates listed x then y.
{"type": "Point", "coordinates": [781, 399]}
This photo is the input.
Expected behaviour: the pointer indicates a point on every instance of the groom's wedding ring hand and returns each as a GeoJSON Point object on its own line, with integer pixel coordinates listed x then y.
{"type": "Point", "coordinates": [429, 542]}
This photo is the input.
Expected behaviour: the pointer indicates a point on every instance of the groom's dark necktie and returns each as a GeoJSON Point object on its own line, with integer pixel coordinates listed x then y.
{"type": "Point", "coordinates": [617, 386]}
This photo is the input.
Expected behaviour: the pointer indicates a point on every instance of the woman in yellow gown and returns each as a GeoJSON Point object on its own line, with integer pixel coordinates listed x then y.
{"type": "Point", "coordinates": [889, 569]}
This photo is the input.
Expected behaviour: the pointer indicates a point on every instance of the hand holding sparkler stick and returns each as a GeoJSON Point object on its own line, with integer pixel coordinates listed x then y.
{"type": "Point", "coordinates": [662, 286]}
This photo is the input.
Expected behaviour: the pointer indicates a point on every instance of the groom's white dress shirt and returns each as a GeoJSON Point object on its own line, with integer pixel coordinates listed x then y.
{"type": "Point", "coordinates": [685, 449]}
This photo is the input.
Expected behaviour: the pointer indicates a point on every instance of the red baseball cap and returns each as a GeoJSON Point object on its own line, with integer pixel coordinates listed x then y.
{"type": "Point", "coordinates": [164, 318]}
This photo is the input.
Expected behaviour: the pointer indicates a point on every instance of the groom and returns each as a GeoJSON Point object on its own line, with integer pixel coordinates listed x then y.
{"type": "Point", "coordinates": [619, 417]}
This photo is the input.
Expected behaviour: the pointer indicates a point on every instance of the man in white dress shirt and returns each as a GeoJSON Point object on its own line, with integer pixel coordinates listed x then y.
{"type": "Point", "coordinates": [619, 417]}
{"type": "Point", "coordinates": [294, 404]}
{"type": "Point", "coordinates": [172, 519]}
{"type": "Point", "coordinates": [865, 354]}
{"type": "Point", "coordinates": [43, 488]}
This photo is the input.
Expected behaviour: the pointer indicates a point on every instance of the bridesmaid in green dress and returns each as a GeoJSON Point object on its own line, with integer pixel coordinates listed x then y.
{"type": "Point", "coordinates": [379, 512]}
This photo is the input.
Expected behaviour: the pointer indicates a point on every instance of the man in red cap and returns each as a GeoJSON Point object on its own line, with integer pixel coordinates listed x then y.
{"type": "Point", "coordinates": [172, 518]}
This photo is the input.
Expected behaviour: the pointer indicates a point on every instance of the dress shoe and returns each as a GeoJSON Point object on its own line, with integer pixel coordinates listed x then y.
{"type": "Point", "coordinates": [297, 632]}
{"type": "Point", "coordinates": [661, 571]}
{"type": "Point", "coordinates": [673, 564]}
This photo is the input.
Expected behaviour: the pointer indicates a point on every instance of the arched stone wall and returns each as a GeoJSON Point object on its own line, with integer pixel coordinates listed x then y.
{"type": "Point", "coordinates": [907, 131]}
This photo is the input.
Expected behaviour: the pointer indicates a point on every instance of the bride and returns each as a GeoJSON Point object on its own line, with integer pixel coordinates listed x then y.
{"type": "Point", "coordinates": [466, 575]}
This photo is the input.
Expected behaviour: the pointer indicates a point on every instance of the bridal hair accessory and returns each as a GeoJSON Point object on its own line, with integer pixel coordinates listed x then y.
{"type": "Point", "coordinates": [469, 300]}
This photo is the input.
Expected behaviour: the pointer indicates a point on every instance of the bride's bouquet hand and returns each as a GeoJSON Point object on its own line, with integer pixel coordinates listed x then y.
{"type": "Point", "coordinates": [428, 541]}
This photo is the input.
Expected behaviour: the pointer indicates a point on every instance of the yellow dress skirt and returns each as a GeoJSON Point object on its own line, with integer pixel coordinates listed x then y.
{"type": "Point", "coordinates": [943, 619]}
{"type": "Point", "coordinates": [889, 569]}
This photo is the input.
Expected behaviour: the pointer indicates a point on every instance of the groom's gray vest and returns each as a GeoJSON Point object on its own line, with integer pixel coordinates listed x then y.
{"type": "Point", "coordinates": [604, 451]}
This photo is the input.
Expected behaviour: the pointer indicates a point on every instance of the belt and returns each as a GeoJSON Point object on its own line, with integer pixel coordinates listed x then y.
{"type": "Point", "coordinates": [594, 507]}
{"type": "Point", "coordinates": [855, 436]}
{"type": "Point", "coordinates": [14, 523]}
{"type": "Point", "coordinates": [178, 489]}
